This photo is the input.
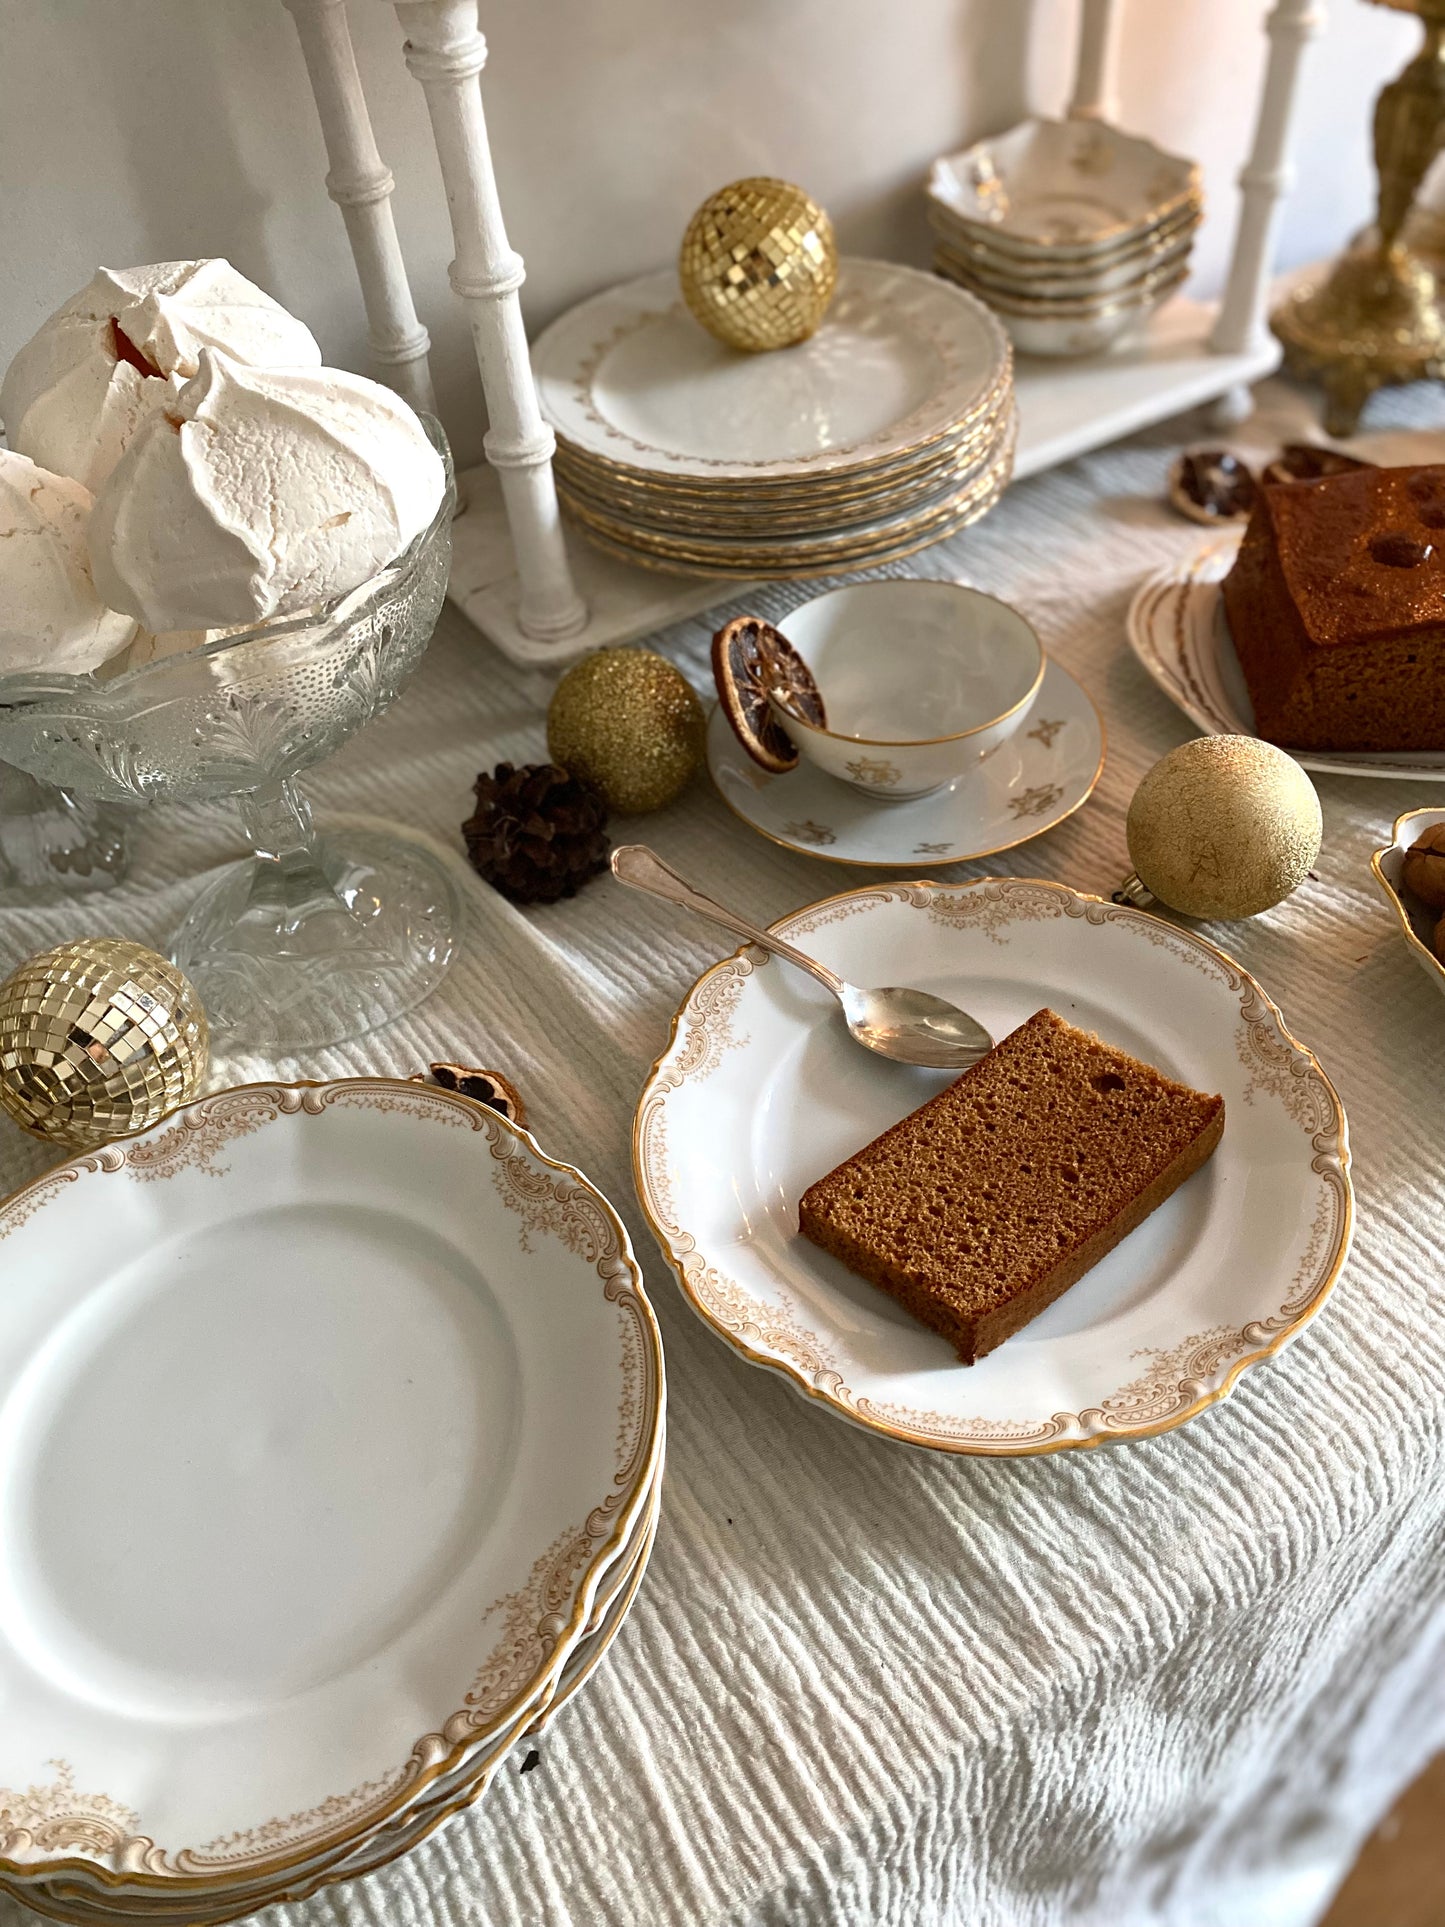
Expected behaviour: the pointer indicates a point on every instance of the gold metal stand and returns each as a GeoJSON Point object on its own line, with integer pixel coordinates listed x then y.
{"type": "Point", "coordinates": [1376, 320]}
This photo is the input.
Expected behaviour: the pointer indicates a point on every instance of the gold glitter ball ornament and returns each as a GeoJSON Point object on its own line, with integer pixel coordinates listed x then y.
{"type": "Point", "coordinates": [630, 723]}
{"type": "Point", "coordinates": [1225, 826]}
{"type": "Point", "coordinates": [759, 264]}
{"type": "Point", "coordinates": [98, 1039]}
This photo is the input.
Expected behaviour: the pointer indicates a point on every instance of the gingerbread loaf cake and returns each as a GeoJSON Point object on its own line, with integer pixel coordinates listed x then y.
{"type": "Point", "coordinates": [1336, 603]}
{"type": "Point", "coordinates": [980, 1208]}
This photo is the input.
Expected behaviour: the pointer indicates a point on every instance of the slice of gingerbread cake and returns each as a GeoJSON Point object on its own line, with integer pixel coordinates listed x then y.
{"type": "Point", "coordinates": [980, 1208]}
{"type": "Point", "coordinates": [1336, 603]}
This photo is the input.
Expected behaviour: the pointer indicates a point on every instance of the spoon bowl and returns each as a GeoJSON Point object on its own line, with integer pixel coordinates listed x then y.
{"type": "Point", "coordinates": [914, 1027]}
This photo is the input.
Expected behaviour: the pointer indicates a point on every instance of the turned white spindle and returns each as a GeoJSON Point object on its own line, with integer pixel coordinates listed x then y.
{"type": "Point", "coordinates": [361, 187]}
{"type": "Point", "coordinates": [446, 53]}
{"type": "Point", "coordinates": [1094, 97]}
{"type": "Point", "coordinates": [1266, 177]}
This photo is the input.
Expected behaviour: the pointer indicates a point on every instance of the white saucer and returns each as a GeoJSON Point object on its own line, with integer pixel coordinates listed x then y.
{"type": "Point", "coordinates": [1031, 782]}
{"type": "Point", "coordinates": [1178, 630]}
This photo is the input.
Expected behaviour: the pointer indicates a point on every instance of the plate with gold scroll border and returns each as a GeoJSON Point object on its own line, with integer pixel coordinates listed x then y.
{"type": "Point", "coordinates": [374, 1383]}
{"type": "Point", "coordinates": [75, 1898]}
{"type": "Point", "coordinates": [760, 1091]}
{"type": "Point", "coordinates": [1178, 630]}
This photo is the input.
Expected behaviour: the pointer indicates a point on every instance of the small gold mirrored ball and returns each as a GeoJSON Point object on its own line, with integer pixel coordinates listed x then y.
{"type": "Point", "coordinates": [98, 1039]}
{"type": "Point", "coordinates": [759, 264]}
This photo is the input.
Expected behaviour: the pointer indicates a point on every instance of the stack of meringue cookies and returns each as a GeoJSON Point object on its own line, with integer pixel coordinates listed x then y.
{"type": "Point", "coordinates": [181, 467]}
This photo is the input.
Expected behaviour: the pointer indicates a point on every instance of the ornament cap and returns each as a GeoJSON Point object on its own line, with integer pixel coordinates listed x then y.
{"type": "Point", "coordinates": [1134, 890]}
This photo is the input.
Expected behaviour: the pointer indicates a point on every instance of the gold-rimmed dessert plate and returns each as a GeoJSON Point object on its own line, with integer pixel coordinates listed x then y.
{"type": "Point", "coordinates": [80, 1900]}
{"type": "Point", "coordinates": [900, 361]}
{"type": "Point", "coordinates": [1030, 783]}
{"type": "Point", "coordinates": [1226, 1272]}
{"type": "Point", "coordinates": [419, 1389]}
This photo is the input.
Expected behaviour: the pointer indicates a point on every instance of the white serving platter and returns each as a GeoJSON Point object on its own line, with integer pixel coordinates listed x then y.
{"type": "Point", "coordinates": [1178, 630]}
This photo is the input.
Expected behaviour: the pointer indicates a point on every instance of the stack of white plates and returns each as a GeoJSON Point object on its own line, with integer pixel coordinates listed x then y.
{"type": "Point", "coordinates": [890, 429]}
{"type": "Point", "coordinates": [1071, 231]}
{"type": "Point", "coordinates": [333, 1433]}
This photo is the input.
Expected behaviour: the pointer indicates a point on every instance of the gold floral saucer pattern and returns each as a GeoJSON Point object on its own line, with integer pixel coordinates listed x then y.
{"type": "Point", "coordinates": [1031, 783]}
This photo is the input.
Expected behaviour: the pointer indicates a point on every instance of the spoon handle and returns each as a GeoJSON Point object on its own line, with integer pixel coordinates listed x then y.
{"type": "Point", "coordinates": [642, 869]}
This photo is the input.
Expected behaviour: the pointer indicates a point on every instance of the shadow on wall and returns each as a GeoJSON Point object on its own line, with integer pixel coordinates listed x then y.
{"type": "Point", "coordinates": [176, 140]}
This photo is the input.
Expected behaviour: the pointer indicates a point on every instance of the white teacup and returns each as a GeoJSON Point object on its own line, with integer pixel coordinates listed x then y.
{"type": "Point", "coordinates": [920, 681]}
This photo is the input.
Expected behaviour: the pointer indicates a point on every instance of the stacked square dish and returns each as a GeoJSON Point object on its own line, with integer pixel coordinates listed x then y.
{"type": "Point", "coordinates": [892, 427]}
{"type": "Point", "coordinates": [334, 1420]}
{"type": "Point", "coordinates": [1071, 231]}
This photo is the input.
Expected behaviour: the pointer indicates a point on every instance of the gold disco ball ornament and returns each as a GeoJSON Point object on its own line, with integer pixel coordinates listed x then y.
{"type": "Point", "coordinates": [98, 1039]}
{"type": "Point", "coordinates": [1223, 827]}
{"type": "Point", "coordinates": [759, 264]}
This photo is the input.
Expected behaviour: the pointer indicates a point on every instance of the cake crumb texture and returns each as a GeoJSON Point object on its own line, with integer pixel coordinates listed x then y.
{"type": "Point", "coordinates": [980, 1208]}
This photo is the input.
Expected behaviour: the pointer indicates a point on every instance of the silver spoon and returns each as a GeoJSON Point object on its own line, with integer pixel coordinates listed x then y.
{"type": "Point", "coordinates": [909, 1025]}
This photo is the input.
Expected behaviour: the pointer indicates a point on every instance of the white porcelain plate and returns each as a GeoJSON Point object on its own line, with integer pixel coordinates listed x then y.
{"type": "Point", "coordinates": [900, 359]}
{"type": "Point", "coordinates": [323, 1409]}
{"type": "Point", "coordinates": [761, 1091]}
{"type": "Point", "coordinates": [1417, 922]}
{"type": "Point", "coordinates": [83, 1898]}
{"type": "Point", "coordinates": [1178, 630]}
{"type": "Point", "coordinates": [1030, 783]}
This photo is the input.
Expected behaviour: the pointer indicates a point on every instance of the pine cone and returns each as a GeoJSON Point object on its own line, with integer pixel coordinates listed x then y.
{"type": "Point", "coordinates": [538, 834]}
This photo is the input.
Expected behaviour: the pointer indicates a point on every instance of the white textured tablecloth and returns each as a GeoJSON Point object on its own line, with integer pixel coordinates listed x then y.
{"type": "Point", "coordinates": [1173, 1682]}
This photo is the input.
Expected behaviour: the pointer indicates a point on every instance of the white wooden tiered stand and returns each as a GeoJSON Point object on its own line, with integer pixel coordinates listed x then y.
{"type": "Point", "coordinates": [512, 573]}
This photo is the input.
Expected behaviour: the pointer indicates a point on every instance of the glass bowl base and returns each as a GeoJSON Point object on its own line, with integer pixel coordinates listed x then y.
{"type": "Point", "coordinates": [297, 951]}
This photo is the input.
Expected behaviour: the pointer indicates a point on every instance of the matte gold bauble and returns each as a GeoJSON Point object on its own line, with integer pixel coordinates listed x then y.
{"type": "Point", "coordinates": [98, 1039]}
{"type": "Point", "coordinates": [759, 264]}
{"type": "Point", "coordinates": [1225, 826]}
{"type": "Point", "coordinates": [630, 723]}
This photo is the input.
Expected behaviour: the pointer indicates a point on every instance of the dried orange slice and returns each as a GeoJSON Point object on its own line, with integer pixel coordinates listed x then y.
{"type": "Point", "coordinates": [750, 660]}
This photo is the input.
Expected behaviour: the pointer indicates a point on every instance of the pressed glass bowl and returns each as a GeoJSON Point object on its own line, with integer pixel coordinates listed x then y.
{"type": "Point", "coordinates": [311, 939]}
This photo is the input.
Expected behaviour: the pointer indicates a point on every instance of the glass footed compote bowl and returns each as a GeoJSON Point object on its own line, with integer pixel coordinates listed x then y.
{"type": "Point", "coordinates": [311, 939]}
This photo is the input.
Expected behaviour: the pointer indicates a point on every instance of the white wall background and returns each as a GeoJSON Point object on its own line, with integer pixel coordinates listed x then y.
{"type": "Point", "coordinates": [141, 130]}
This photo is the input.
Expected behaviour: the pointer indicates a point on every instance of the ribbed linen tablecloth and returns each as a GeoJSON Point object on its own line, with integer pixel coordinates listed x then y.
{"type": "Point", "coordinates": [1173, 1682]}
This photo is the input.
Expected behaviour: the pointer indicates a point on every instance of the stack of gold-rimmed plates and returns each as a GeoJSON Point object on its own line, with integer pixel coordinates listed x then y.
{"type": "Point", "coordinates": [1071, 231]}
{"type": "Point", "coordinates": [333, 1434]}
{"type": "Point", "coordinates": [890, 428]}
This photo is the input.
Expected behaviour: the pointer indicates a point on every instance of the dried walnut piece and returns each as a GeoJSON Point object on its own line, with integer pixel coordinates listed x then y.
{"type": "Point", "coordinates": [1424, 869]}
{"type": "Point", "coordinates": [1210, 485]}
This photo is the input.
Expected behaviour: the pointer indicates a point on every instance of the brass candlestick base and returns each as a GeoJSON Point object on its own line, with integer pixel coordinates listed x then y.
{"type": "Point", "coordinates": [1376, 320]}
{"type": "Point", "coordinates": [1373, 322]}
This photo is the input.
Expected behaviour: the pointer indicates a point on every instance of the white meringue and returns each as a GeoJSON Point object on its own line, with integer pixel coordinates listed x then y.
{"type": "Point", "coordinates": [261, 493]}
{"type": "Point", "coordinates": [124, 346]}
{"type": "Point", "coordinates": [50, 614]}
